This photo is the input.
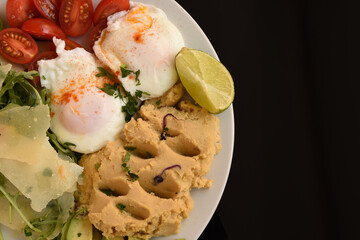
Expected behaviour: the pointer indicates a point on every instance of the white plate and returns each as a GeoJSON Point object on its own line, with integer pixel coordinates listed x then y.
{"type": "Point", "coordinates": [205, 200]}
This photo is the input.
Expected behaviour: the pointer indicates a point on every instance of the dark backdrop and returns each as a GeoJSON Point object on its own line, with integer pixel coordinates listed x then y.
{"type": "Point", "coordinates": [296, 165]}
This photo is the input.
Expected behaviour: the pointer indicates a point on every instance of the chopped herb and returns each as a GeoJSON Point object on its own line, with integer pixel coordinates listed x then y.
{"type": "Point", "coordinates": [127, 157]}
{"type": "Point", "coordinates": [125, 167]}
{"type": "Point", "coordinates": [120, 206]}
{"type": "Point", "coordinates": [158, 102]}
{"type": "Point", "coordinates": [97, 165]}
{"type": "Point", "coordinates": [111, 89]}
{"type": "Point", "coordinates": [104, 73]}
{"type": "Point", "coordinates": [47, 172]}
{"type": "Point", "coordinates": [137, 74]}
{"type": "Point", "coordinates": [132, 105]}
{"type": "Point", "coordinates": [132, 176]}
{"type": "Point", "coordinates": [139, 93]}
{"type": "Point", "coordinates": [129, 148]}
{"type": "Point", "coordinates": [43, 77]}
{"type": "Point", "coordinates": [126, 72]}
{"type": "Point", "coordinates": [148, 155]}
{"type": "Point", "coordinates": [79, 234]}
{"type": "Point", "coordinates": [158, 178]}
{"type": "Point", "coordinates": [108, 192]}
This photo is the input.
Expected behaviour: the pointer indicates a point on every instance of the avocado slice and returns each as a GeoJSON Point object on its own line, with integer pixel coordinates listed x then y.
{"type": "Point", "coordinates": [80, 229]}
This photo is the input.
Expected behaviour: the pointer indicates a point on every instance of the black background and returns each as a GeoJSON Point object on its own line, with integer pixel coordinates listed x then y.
{"type": "Point", "coordinates": [296, 165]}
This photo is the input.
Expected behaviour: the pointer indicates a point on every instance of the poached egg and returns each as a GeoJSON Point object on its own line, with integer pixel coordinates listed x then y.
{"type": "Point", "coordinates": [142, 39]}
{"type": "Point", "coordinates": [81, 113]}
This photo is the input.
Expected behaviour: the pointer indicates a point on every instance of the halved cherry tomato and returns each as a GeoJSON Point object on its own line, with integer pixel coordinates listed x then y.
{"type": "Point", "coordinates": [44, 29]}
{"type": "Point", "coordinates": [57, 3]}
{"type": "Point", "coordinates": [18, 11]}
{"type": "Point", "coordinates": [109, 7]}
{"type": "Point", "coordinates": [69, 44]}
{"type": "Point", "coordinates": [17, 46]}
{"type": "Point", "coordinates": [95, 33]}
{"type": "Point", "coordinates": [48, 9]}
{"type": "Point", "coordinates": [75, 16]}
{"type": "Point", "coordinates": [33, 65]}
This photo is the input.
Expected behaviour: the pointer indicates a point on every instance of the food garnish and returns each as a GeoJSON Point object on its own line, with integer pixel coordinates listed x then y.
{"type": "Point", "coordinates": [165, 129]}
{"type": "Point", "coordinates": [132, 176]}
{"type": "Point", "coordinates": [126, 72]}
{"type": "Point", "coordinates": [159, 179]}
{"type": "Point", "coordinates": [207, 80]}
{"type": "Point", "coordinates": [120, 206]}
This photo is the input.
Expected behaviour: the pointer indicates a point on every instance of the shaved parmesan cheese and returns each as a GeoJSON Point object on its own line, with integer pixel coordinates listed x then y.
{"type": "Point", "coordinates": [27, 159]}
{"type": "Point", "coordinates": [4, 69]}
{"type": "Point", "coordinates": [22, 129]}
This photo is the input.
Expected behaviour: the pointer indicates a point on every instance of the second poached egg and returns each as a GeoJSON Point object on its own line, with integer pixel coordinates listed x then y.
{"type": "Point", "coordinates": [142, 39]}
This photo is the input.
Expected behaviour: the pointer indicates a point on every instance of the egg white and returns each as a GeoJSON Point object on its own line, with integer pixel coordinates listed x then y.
{"type": "Point", "coordinates": [142, 39]}
{"type": "Point", "coordinates": [81, 113]}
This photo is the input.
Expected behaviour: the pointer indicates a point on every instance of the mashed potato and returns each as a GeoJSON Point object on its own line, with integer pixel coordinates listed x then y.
{"type": "Point", "coordinates": [169, 150]}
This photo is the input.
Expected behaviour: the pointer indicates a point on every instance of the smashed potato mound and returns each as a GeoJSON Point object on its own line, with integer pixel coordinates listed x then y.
{"type": "Point", "coordinates": [139, 185]}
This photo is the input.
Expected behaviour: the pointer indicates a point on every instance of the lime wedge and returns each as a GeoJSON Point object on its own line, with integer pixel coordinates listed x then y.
{"type": "Point", "coordinates": [207, 81]}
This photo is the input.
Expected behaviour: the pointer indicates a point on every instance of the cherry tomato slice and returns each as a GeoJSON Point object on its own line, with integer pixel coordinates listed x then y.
{"type": "Point", "coordinates": [57, 3]}
{"type": "Point", "coordinates": [69, 44]}
{"type": "Point", "coordinates": [48, 9]}
{"type": "Point", "coordinates": [95, 33]}
{"type": "Point", "coordinates": [44, 29]}
{"type": "Point", "coordinates": [18, 11]}
{"type": "Point", "coordinates": [33, 65]}
{"type": "Point", "coordinates": [75, 16]}
{"type": "Point", "coordinates": [17, 46]}
{"type": "Point", "coordinates": [109, 7]}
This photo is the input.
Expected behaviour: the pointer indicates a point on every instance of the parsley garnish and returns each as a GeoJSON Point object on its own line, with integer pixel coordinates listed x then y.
{"type": "Point", "coordinates": [120, 206]}
{"type": "Point", "coordinates": [132, 176]}
{"type": "Point", "coordinates": [129, 148]}
{"type": "Point", "coordinates": [97, 165]}
{"type": "Point", "coordinates": [126, 72]}
{"type": "Point", "coordinates": [158, 102]}
{"type": "Point", "coordinates": [132, 105]}
{"type": "Point", "coordinates": [104, 73]}
{"type": "Point", "coordinates": [139, 93]}
{"type": "Point", "coordinates": [111, 89]}
{"type": "Point", "coordinates": [108, 192]}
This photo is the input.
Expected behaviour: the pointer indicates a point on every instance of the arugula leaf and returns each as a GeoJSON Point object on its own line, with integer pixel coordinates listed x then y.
{"type": "Point", "coordinates": [15, 205]}
{"type": "Point", "coordinates": [64, 148]}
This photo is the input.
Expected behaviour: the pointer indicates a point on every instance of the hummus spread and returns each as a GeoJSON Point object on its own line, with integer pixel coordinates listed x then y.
{"type": "Point", "coordinates": [139, 185]}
